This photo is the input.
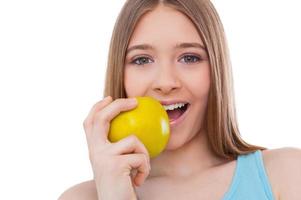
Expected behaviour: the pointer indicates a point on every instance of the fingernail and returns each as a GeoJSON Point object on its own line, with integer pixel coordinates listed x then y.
{"type": "Point", "coordinates": [107, 97]}
{"type": "Point", "coordinates": [133, 100]}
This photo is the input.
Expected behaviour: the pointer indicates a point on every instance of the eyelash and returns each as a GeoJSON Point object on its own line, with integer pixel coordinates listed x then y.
{"type": "Point", "coordinates": [185, 56]}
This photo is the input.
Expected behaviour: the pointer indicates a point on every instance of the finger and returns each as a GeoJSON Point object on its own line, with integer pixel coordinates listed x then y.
{"type": "Point", "coordinates": [130, 144]}
{"type": "Point", "coordinates": [138, 162]}
{"type": "Point", "coordinates": [88, 123]}
{"type": "Point", "coordinates": [98, 106]}
{"type": "Point", "coordinates": [102, 119]}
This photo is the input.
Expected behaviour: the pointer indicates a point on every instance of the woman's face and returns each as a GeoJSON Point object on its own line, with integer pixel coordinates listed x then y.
{"type": "Point", "coordinates": [170, 63]}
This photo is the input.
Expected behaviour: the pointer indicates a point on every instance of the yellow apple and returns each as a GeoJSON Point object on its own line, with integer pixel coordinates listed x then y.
{"type": "Point", "coordinates": [148, 121]}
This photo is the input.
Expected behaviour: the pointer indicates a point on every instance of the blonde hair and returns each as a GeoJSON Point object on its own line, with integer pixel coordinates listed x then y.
{"type": "Point", "coordinates": [221, 124]}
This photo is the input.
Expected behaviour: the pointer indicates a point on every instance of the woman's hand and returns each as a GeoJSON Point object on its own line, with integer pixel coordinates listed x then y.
{"type": "Point", "coordinates": [113, 164]}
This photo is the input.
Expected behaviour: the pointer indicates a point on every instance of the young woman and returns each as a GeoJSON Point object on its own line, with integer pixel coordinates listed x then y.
{"type": "Point", "coordinates": [175, 51]}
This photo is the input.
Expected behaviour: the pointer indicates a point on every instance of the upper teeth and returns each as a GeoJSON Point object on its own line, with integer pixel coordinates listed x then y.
{"type": "Point", "coordinates": [173, 106]}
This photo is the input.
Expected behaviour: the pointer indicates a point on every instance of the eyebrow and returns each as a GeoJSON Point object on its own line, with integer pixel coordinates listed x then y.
{"type": "Point", "coordinates": [178, 46]}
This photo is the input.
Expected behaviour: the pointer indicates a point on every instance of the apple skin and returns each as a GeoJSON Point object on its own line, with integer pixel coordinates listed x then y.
{"type": "Point", "coordinates": [148, 121]}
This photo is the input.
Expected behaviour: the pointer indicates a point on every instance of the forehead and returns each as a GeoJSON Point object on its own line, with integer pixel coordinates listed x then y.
{"type": "Point", "coordinates": [164, 25]}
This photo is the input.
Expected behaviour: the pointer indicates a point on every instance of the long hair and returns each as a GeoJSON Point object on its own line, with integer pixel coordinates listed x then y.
{"type": "Point", "coordinates": [220, 121]}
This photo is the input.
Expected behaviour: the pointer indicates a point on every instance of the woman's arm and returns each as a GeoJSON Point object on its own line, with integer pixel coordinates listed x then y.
{"type": "Point", "coordinates": [82, 191]}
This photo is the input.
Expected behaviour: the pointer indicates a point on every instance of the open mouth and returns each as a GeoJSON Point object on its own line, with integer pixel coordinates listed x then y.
{"type": "Point", "coordinates": [177, 113]}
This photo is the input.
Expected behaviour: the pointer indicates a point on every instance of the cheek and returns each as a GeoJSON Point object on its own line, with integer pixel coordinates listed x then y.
{"type": "Point", "coordinates": [199, 83]}
{"type": "Point", "coordinates": [134, 83]}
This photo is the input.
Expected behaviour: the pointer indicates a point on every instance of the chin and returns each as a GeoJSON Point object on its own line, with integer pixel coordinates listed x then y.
{"type": "Point", "coordinates": [175, 142]}
{"type": "Point", "coordinates": [173, 146]}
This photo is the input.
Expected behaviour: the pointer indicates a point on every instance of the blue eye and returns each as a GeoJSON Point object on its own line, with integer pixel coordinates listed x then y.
{"type": "Point", "coordinates": [190, 59]}
{"type": "Point", "coordinates": [186, 59]}
{"type": "Point", "coordinates": [141, 61]}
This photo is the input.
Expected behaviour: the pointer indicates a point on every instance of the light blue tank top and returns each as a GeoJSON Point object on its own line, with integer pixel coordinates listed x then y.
{"type": "Point", "coordinates": [250, 180]}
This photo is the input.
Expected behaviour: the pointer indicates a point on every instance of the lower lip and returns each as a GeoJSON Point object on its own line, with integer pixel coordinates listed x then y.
{"type": "Point", "coordinates": [180, 119]}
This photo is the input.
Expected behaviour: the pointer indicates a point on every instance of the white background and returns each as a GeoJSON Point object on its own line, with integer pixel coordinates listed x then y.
{"type": "Point", "coordinates": [52, 63]}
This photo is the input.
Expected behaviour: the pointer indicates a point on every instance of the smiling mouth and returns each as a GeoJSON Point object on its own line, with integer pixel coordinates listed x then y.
{"type": "Point", "coordinates": [177, 113]}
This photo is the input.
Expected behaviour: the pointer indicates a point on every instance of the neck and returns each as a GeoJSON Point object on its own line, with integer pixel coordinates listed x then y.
{"type": "Point", "coordinates": [193, 157]}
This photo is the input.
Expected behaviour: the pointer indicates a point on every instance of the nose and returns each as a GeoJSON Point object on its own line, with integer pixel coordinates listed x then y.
{"type": "Point", "coordinates": [167, 80]}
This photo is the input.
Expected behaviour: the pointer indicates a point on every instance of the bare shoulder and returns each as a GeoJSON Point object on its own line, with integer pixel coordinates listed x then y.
{"type": "Point", "coordinates": [286, 158]}
{"type": "Point", "coordinates": [283, 167]}
{"type": "Point", "coordinates": [82, 191]}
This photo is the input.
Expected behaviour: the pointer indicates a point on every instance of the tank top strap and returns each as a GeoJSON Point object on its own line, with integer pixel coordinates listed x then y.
{"type": "Point", "coordinates": [263, 175]}
{"type": "Point", "coordinates": [250, 180]}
